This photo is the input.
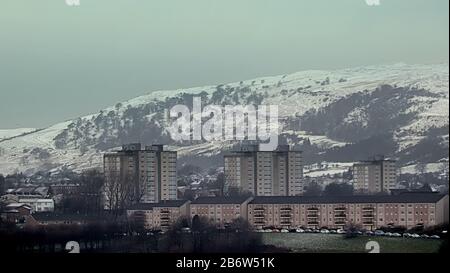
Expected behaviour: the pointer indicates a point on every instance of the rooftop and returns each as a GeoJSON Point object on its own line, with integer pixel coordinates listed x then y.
{"type": "Point", "coordinates": [162, 204]}
{"type": "Point", "coordinates": [409, 197]}
{"type": "Point", "coordinates": [220, 200]}
{"type": "Point", "coordinates": [17, 205]}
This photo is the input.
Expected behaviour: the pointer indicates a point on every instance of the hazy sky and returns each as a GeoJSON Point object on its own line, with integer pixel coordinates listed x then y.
{"type": "Point", "coordinates": [59, 62]}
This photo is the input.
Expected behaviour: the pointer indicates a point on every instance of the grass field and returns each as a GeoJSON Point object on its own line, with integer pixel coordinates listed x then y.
{"type": "Point", "coordinates": [333, 243]}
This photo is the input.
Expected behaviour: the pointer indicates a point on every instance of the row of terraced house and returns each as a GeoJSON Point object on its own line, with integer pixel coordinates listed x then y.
{"type": "Point", "coordinates": [370, 212]}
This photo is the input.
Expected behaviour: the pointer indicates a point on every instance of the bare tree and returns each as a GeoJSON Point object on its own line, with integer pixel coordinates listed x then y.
{"type": "Point", "coordinates": [220, 183]}
{"type": "Point", "coordinates": [443, 170]}
{"type": "Point", "coordinates": [118, 193]}
{"type": "Point", "coordinates": [420, 168]}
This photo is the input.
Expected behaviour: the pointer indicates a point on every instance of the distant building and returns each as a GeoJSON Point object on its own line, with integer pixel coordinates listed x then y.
{"type": "Point", "coordinates": [38, 204]}
{"type": "Point", "coordinates": [29, 191]}
{"type": "Point", "coordinates": [424, 189]}
{"type": "Point", "coordinates": [262, 173]}
{"type": "Point", "coordinates": [150, 172]}
{"type": "Point", "coordinates": [158, 215]}
{"type": "Point", "coordinates": [369, 211]}
{"type": "Point", "coordinates": [17, 213]}
{"type": "Point", "coordinates": [376, 175]}
{"type": "Point", "coordinates": [221, 211]}
{"type": "Point", "coordinates": [65, 188]}
{"type": "Point", "coordinates": [9, 198]}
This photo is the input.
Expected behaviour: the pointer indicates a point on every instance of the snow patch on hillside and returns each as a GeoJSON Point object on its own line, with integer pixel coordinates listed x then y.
{"type": "Point", "coordinates": [9, 133]}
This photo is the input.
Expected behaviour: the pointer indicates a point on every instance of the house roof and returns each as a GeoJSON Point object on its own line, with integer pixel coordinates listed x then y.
{"type": "Point", "coordinates": [17, 205]}
{"type": "Point", "coordinates": [162, 204]}
{"type": "Point", "coordinates": [220, 200]}
{"type": "Point", "coordinates": [410, 197]}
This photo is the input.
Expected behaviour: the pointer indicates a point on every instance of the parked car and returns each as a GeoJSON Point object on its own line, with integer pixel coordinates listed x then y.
{"type": "Point", "coordinates": [379, 233]}
{"type": "Point", "coordinates": [340, 231]}
{"type": "Point", "coordinates": [424, 236]}
{"type": "Point", "coordinates": [299, 230]}
{"type": "Point", "coordinates": [435, 237]}
{"type": "Point", "coordinates": [284, 230]}
{"type": "Point", "coordinates": [396, 234]}
{"type": "Point", "coordinates": [415, 235]}
{"type": "Point", "coordinates": [186, 230]}
{"type": "Point", "coordinates": [388, 234]}
{"type": "Point", "coordinates": [369, 233]}
{"type": "Point", "coordinates": [324, 231]}
{"type": "Point", "coordinates": [406, 235]}
{"type": "Point", "coordinates": [316, 230]}
{"type": "Point", "coordinates": [308, 230]}
{"type": "Point", "coordinates": [333, 231]}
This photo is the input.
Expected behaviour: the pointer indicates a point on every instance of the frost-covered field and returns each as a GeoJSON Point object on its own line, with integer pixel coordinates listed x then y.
{"type": "Point", "coordinates": [333, 243]}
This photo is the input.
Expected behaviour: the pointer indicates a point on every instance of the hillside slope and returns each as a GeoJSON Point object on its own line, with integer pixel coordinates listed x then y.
{"type": "Point", "coordinates": [341, 115]}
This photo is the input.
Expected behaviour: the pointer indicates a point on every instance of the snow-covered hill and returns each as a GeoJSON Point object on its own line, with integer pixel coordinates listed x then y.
{"type": "Point", "coordinates": [5, 134]}
{"type": "Point", "coordinates": [339, 115]}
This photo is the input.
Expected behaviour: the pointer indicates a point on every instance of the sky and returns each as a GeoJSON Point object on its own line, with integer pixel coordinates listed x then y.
{"type": "Point", "coordinates": [59, 62]}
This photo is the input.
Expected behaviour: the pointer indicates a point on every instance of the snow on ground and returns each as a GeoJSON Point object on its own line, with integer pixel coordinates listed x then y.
{"type": "Point", "coordinates": [313, 89]}
{"type": "Point", "coordinates": [322, 142]}
{"type": "Point", "coordinates": [205, 149]}
{"type": "Point", "coordinates": [429, 168]}
{"type": "Point", "coordinates": [9, 133]}
{"type": "Point", "coordinates": [326, 168]}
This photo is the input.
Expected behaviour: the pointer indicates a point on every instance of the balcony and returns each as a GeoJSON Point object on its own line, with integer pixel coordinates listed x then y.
{"type": "Point", "coordinates": [340, 215]}
{"type": "Point", "coordinates": [340, 209]}
{"type": "Point", "coordinates": [368, 216]}
{"type": "Point", "coordinates": [312, 209]}
{"type": "Point", "coordinates": [258, 209]}
{"type": "Point", "coordinates": [285, 209]}
{"type": "Point", "coordinates": [258, 216]}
